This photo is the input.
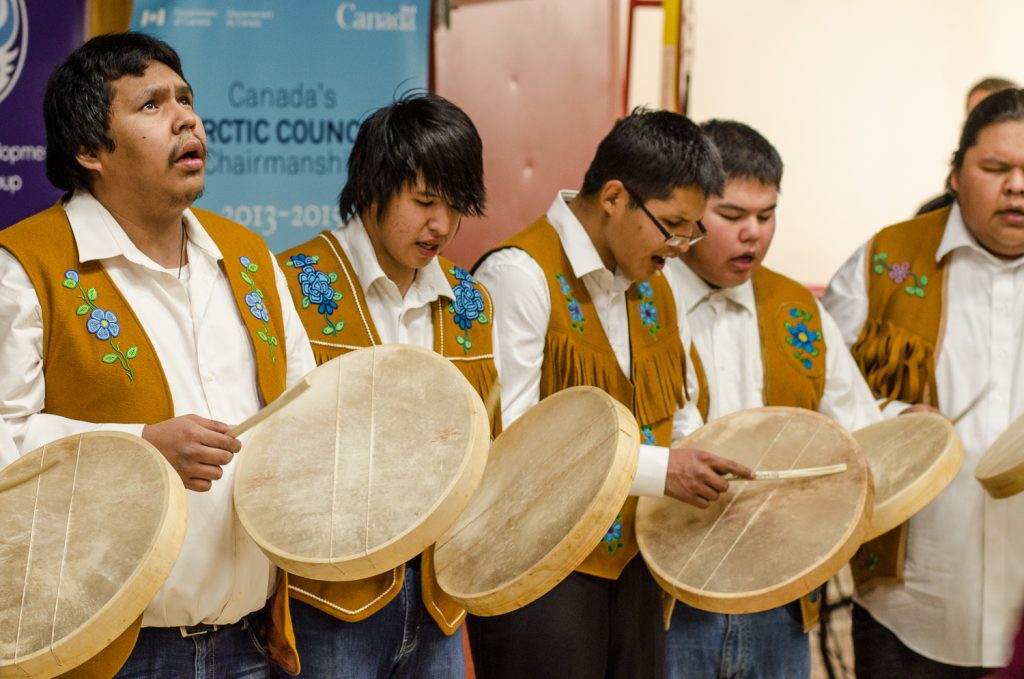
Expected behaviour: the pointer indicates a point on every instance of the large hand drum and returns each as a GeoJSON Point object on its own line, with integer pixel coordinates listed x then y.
{"type": "Point", "coordinates": [555, 480]}
{"type": "Point", "coordinates": [762, 543]}
{"type": "Point", "coordinates": [912, 458]}
{"type": "Point", "coordinates": [1001, 469]}
{"type": "Point", "coordinates": [84, 548]}
{"type": "Point", "coordinates": [367, 467]}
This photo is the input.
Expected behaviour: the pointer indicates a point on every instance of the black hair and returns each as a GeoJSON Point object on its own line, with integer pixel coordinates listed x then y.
{"type": "Point", "coordinates": [653, 153]}
{"type": "Point", "coordinates": [1001, 107]}
{"type": "Point", "coordinates": [420, 134]}
{"type": "Point", "coordinates": [76, 105]}
{"type": "Point", "coordinates": [745, 153]}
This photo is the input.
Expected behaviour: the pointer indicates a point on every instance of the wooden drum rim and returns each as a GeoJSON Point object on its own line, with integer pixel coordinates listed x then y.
{"type": "Point", "coordinates": [792, 586]}
{"type": "Point", "coordinates": [915, 496]}
{"type": "Point", "coordinates": [571, 549]}
{"type": "Point", "coordinates": [408, 542]}
{"type": "Point", "coordinates": [1002, 477]}
{"type": "Point", "coordinates": [126, 606]}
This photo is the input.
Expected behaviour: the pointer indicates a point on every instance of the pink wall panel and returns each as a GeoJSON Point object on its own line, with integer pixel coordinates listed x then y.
{"type": "Point", "coordinates": [541, 80]}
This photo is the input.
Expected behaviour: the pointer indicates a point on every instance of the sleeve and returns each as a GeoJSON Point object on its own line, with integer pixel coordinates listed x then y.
{"type": "Point", "coordinates": [22, 384]}
{"type": "Point", "coordinates": [846, 297]}
{"type": "Point", "coordinates": [300, 355]}
{"type": "Point", "coordinates": [521, 311]}
{"type": "Point", "coordinates": [847, 398]}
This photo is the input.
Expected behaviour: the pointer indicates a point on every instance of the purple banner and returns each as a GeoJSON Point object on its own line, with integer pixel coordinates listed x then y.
{"type": "Point", "coordinates": [35, 37]}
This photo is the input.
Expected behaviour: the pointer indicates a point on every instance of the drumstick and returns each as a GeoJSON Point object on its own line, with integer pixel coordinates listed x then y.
{"type": "Point", "coordinates": [284, 399]}
{"type": "Point", "coordinates": [973, 402]}
{"type": "Point", "coordinates": [803, 473]}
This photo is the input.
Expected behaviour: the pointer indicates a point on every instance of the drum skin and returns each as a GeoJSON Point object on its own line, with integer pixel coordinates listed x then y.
{"type": "Point", "coordinates": [86, 546]}
{"type": "Point", "coordinates": [912, 458]}
{"type": "Point", "coordinates": [762, 544]}
{"type": "Point", "coordinates": [367, 467]}
{"type": "Point", "coordinates": [1001, 469]}
{"type": "Point", "coordinates": [555, 480]}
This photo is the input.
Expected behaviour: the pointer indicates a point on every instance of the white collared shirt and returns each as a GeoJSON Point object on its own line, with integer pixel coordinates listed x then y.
{"type": "Point", "coordinates": [725, 330]}
{"type": "Point", "coordinates": [964, 582]}
{"type": "Point", "coordinates": [207, 357]}
{"type": "Point", "coordinates": [523, 307]}
{"type": "Point", "coordinates": [398, 319]}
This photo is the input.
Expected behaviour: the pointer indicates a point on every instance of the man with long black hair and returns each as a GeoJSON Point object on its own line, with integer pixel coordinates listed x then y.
{"type": "Point", "coordinates": [933, 309]}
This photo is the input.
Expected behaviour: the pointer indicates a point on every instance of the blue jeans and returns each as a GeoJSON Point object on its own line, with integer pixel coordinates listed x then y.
{"type": "Point", "coordinates": [399, 640]}
{"type": "Point", "coordinates": [767, 645]}
{"type": "Point", "coordinates": [231, 652]}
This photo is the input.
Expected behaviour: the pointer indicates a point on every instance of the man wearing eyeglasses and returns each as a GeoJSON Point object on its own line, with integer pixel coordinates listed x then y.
{"type": "Point", "coordinates": [761, 339]}
{"type": "Point", "coordinates": [580, 300]}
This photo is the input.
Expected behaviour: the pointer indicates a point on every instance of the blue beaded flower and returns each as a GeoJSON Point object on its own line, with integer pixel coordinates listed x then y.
{"type": "Point", "coordinates": [647, 309]}
{"type": "Point", "coordinates": [647, 434]}
{"type": "Point", "coordinates": [575, 310]}
{"type": "Point", "coordinates": [103, 324]}
{"type": "Point", "coordinates": [316, 286]}
{"type": "Point", "coordinates": [257, 307]}
{"type": "Point", "coordinates": [648, 313]}
{"type": "Point", "coordinates": [801, 338]}
{"type": "Point", "coordinates": [614, 535]}
{"type": "Point", "coordinates": [467, 305]}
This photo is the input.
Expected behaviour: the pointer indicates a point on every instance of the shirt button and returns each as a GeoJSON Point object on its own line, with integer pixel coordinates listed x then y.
{"type": "Point", "coordinates": [209, 377]}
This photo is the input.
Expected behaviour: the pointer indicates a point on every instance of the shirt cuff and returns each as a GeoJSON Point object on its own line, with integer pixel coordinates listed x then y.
{"type": "Point", "coordinates": [651, 471]}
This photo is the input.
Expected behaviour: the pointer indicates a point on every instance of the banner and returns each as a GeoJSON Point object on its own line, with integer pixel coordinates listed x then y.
{"type": "Point", "coordinates": [282, 87]}
{"type": "Point", "coordinates": [34, 39]}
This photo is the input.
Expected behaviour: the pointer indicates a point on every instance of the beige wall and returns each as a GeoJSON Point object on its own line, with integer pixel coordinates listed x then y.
{"type": "Point", "coordinates": [863, 99]}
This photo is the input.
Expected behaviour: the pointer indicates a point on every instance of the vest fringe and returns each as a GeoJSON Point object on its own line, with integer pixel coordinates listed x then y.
{"type": "Point", "coordinates": [576, 367]}
{"type": "Point", "coordinates": [659, 386]}
{"type": "Point", "coordinates": [897, 364]}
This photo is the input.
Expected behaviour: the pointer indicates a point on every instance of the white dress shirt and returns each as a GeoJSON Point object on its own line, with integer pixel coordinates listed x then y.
{"type": "Point", "coordinates": [964, 579]}
{"type": "Point", "coordinates": [8, 451]}
{"type": "Point", "coordinates": [523, 308]}
{"type": "Point", "coordinates": [207, 357]}
{"type": "Point", "coordinates": [725, 330]}
{"type": "Point", "coordinates": [398, 319]}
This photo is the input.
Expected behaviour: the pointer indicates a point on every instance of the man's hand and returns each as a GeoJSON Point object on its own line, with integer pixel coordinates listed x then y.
{"type": "Point", "coordinates": [695, 476]}
{"type": "Point", "coordinates": [920, 408]}
{"type": "Point", "coordinates": [196, 447]}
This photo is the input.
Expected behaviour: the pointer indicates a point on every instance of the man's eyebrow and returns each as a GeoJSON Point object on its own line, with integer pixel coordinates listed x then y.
{"type": "Point", "coordinates": [742, 208]}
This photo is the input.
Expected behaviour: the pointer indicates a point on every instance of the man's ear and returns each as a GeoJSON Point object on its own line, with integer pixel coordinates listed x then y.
{"type": "Point", "coordinates": [89, 159]}
{"type": "Point", "coordinates": [954, 181]}
{"type": "Point", "coordinates": [613, 197]}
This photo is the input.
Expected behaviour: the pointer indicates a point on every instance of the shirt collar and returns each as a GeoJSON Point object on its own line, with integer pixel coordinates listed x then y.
{"type": "Point", "coordinates": [429, 283]}
{"type": "Point", "coordinates": [696, 291]}
{"type": "Point", "coordinates": [98, 236]}
{"type": "Point", "coordinates": [957, 236]}
{"type": "Point", "coordinates": [579, 249]}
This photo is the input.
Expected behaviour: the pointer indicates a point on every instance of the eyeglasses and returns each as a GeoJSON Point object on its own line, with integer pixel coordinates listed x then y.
{"type": "Point", "coordinates": [671, 239]}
